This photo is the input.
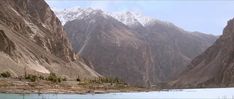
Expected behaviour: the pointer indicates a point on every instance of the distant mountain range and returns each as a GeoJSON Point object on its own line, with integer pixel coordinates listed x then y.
{"type": "Point", "coordinates": [128, 18]}
{"type": "Point", "coordinates": [130, 46]}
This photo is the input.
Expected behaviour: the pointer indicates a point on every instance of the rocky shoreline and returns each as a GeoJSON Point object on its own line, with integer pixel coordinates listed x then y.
{"type": "Point", "coordinates": [15, 86]}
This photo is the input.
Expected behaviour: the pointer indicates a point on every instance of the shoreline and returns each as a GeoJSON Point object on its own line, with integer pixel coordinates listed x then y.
{"type": "Point", "coordinates": [73, 92]}
{"type": "Point", "coordinates": [58, 91]}
{"type": "Point", "coordinates": [15, 86]}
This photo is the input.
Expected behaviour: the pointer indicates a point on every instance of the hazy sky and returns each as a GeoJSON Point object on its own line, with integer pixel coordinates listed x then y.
{"type": "Point", "coordinates": [204, 16]}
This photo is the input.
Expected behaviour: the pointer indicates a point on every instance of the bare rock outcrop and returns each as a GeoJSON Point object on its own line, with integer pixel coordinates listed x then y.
{"type": "Point", "coordinates": [214, 67]}
{"type": "Point", "coordinates": [32, 37]}
{"type": "Point", "coordinates": [140, 54]}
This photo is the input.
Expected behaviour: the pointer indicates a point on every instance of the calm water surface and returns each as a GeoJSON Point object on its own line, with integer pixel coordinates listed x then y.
{"type": "Point", "coordinates": [212, 93]}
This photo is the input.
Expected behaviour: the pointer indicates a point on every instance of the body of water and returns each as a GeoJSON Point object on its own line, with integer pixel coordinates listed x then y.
{"type": "Point", "coordinates": [211, 93]}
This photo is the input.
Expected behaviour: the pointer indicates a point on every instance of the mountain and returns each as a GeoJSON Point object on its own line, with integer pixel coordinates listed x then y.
{"type": "Point", "coordinates": [32, 40]}
{"type": "Point", "coordinates": [137, 49]}
{"type": "Point", "coordinates": [214, 67]}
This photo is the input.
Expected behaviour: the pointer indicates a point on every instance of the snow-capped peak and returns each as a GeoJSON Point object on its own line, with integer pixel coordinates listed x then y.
{"type": "Point", "coordinates": [131, 18]}
{"type": "Point", "coordinates": [76, 13]}
{"type": "Point", "coordinates": [128, 18]}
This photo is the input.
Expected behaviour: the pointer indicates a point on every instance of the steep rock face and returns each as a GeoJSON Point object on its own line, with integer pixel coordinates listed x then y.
{"type": "Point", "coordinates": [140, 52]}
{"type": "Point", "coordinates": [6, 45]}
{"type": "Point", "coordinates": [214, 67]}
{"type": "Point", "coordinates": [38, 13]}
{"type": "Point", "coordinates": [97, 35]}
{"type": "Point", "coordinates": [32, 37]}
{"type": "Point", "coordinates": [172, 48]}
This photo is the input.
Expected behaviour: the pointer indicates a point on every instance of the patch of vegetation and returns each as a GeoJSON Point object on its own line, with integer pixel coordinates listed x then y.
{"type": "Point", "coordinates": [64, 79]}
{"type": "Point", "coordinates": [5, 74]}
{"type": "Point", "coordinates": [107, 80]}
{"type": "Point", "coordinates": [78, 79]}
{"type": "Point", "coordinates": [31, 77]}
{"type": "Point", "coordinates": [54, 78]}
{"type": "Point", "coordinates": [41, 77]}
{"type": "Point", "coordinates": [20, 77]}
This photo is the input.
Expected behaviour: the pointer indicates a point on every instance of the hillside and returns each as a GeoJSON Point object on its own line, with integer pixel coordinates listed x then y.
{"type": "Point", "coordinates": [214, 67]}
{"type": "Point", "coordinates": [135, 48]}
{"type": "Point", "coordinates": [32, 40]}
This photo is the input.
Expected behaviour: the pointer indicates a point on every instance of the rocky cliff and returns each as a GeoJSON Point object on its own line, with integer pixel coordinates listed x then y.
{"type": "Point", "coordinates": [214, 67]}
{"type": "Point", "coordinates": [139, 50]}
{"type": "Point", "coordinates": [32, 39]}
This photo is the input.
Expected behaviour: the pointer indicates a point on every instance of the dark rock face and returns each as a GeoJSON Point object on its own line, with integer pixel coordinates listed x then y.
{"type": "Point", "coordinates": [37, 12]}
{"type": "Point", "coordinates": [173, 48]}
{"type": "Point", "coordinates": [33, 37]}
{"type": "Point", "coordinates": [6, 45]}
{"type": "Point", "coordinates": [214, 67]}
{"type": "Point", "coordinates": [141, 55]}
{"type": "Point", "coordinates": [108, 45]}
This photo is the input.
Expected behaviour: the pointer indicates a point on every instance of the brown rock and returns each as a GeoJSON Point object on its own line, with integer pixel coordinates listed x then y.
{"type": "Point", "coordinates": [141, 55]}
{"type": "Point", "coordinates": [214, 67]}
{"type": "Point", "coordinates": [32, 37]}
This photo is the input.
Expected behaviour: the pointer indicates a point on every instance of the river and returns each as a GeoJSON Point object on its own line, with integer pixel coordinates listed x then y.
{"type": "Point", "coordinates": [212, 93]}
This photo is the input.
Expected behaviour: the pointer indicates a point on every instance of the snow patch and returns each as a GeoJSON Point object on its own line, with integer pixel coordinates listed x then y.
{"type": "Point", "coordinates": [126, 17]}
{"type": "Point", "coordinates": [76, 13]}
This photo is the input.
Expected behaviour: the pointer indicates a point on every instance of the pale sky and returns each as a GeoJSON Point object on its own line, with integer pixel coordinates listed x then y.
{"type": "Point", "coordinates": [193, 15]}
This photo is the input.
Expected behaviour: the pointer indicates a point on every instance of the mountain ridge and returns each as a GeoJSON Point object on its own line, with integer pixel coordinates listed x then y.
{"type": "Point", "coordinates": [33, 41]}
{"type": "Point", "coordinates": [138, 54]}
{"type": "Point", "coordinates": [126, 17]}
{"type": "Point", "coordinates": [213, 67]}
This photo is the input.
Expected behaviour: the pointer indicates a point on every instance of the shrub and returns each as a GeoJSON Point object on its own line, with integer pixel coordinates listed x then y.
{"type": "Point", "coordinates": [31, 77]}
{"type": "Point", "coordinates": [78, 79]}
{"type": "Point", "coordinates": [53, 78]}
{"type": "Point", "coordinates": [64, 79]}
{"type": "Point", "coordinates": [5, 74]}
{"type": "Point", "coordinates": [41, 77]}
{"type": "Point", "coordinates": [107, 80]}
{"type": "Point", "coordinates": [59, 80]}
{"type": "Point", "coordinates": [20, 77]}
